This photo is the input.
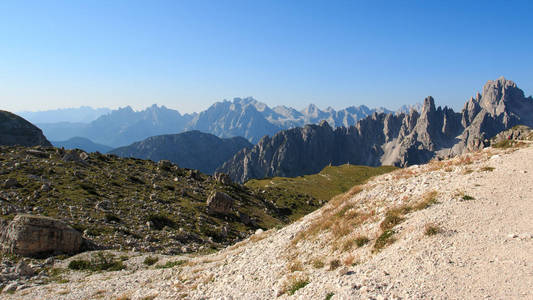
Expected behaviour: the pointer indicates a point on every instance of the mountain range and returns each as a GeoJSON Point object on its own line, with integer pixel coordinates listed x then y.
{"type": "Point", "coordinates": [386, 138]}
{"type": "Point", "coordinates": [83, 114]}
{"type": "Point", "coordinates": [244, 117]}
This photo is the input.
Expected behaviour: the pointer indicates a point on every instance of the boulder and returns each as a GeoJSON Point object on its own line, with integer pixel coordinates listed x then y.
{"type": "Point", "coordinates": [29, 235]}
{"type": "Point", "coordinates": [75, 155]}
{"type": "Point", "coordinates": [219, 202]}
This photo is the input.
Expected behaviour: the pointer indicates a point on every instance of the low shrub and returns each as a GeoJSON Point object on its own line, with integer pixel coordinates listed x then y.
{"type": "Point", "coordinates": [170, 264]}
{"type": "Point", "coordinates": [334, 264]}
{"type": "Point", "coordinates": [432, 229]}
{"type": "Point", "coordinates": [360, 241]}
{"type": "Point", "coordinates": [101, 262]}
{"type": "Point", "coordinates": [150, 260]}
{"type": "Point", "coordinates": [298, 284]}
{"type": "Point", "coordinates": [385, 239]}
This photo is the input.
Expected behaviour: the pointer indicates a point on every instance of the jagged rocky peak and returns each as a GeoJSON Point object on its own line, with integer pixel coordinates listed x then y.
{"type": "Point", "coordinates": [429, 105]}
{"type": "Point", "coordinates": [395, 138]}
{"type": "Point", "coordinates": [497, 94]}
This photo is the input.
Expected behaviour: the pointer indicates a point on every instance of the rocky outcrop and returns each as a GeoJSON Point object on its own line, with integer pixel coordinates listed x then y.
{"type": "Point", "coordinates": [29, 235]}
{"type": "Point", "coordinates": [193, 149]}
{"type": "Point", "coordinates": [516, 133]}
{"type": "Point", "coordinates": [219, 203]}
{"type": "Point", "coordinates": [222, 178]}
{"type": "Point", "coordinates": [387, 139]}
{"type": "Point", "coordinates": [14, 130]}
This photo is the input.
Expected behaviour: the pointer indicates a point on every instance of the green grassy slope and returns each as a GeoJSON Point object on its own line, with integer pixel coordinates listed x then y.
{"type": "Point", "coordinates": [331, 181]}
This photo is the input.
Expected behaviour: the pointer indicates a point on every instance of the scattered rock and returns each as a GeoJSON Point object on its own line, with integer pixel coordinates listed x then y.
{"type": "Point", "coordinates": [23, 269]}
{"type": "Point", "coordinates": [75, 156]}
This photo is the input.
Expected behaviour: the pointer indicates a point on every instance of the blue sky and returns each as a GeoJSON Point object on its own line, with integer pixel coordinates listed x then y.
{"type": "Point", "coordinates": [189, 54]}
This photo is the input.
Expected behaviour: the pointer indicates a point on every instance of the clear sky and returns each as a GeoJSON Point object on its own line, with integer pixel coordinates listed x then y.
{"type": "Point", "coordinates": [188, 54]}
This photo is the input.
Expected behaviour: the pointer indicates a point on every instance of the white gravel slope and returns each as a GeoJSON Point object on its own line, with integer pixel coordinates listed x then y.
{"type": "Point", "coordinates": [484, 251]}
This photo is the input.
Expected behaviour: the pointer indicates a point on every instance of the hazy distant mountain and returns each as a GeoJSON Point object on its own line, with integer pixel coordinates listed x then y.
{"type": "Point", "coordinates": [192, 149]}
{"type": "Point", "coordinates": [122, 126]}
{"type": "Point", "coordinates": [83, 114]}
{"type": "Point", "coordinates": [83, 144]}
{"type": "Point", "coordinates": [14, 130]}
{"type": "Point", "coordinates": [399, 139]}
{"type": "Point", "coordinates": [125, 126]}
{"type": "Point", "coordinates": [246, 117]}
{"type": "Point", "coordinates": [62, 131]}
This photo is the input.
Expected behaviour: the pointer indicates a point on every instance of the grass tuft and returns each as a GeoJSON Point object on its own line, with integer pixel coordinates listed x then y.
{"type": "Point", "coordinates": [150, 260]}
{"type": "Point", "coordinates": [360, 241]}
{"type": "Point", "coordinates": [385, 239]}
{"type": "Point", "coordinates": [432, 229]}
{"type": "Point", "coordinates": [170, 264]}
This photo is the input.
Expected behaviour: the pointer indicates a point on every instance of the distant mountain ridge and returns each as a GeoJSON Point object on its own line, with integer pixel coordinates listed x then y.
{"type": "Point", "coordinates": [83, 114]}
{"type": "Point", "coordinates": [81, 143]}
{"type": "Point", "coordinates": [387, 139]}
{"type": "Point", "coordinates": [244, 117]}
{"type": "Point", "coordinates": [192, 149]}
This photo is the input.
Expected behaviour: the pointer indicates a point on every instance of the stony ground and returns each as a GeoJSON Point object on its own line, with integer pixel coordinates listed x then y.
{"type": "Point", "coordinates": [457, 229]}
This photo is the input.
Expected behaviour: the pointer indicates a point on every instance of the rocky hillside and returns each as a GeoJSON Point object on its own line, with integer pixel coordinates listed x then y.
{"type": "Point", "coordinates": [138, 204]}
{"type": "Point", "coordinates": [452, 229]}
{"type": "Point", "coordinates": [193, 149]}
{"type": "Point", "coordinates": [14, 130]}
{"type": "Point", "coordinates": [388, 139]}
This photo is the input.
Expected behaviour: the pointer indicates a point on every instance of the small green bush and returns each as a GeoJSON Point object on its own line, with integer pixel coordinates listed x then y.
{"type": "Point", "coordinates": [160, 221]}
{"type": "Point", "coordinates": [171, 264]}
{"type": "Point", "coordinates": [361, 241]}
{"type": "Point", "coordinates": [334, 264]}
{"type": "Point", "coordinates": [432, 229]}
{"type": "Point", "coordinates": [467, 197]}
{"type": "Point", "coordinates": [297, 285]}
{"type": "Point", "coordinates": [385, 239]}
{"type": "Point", "coordinates": [150, 260]}
{"type": "Point", "coordinates": [99, 263]}
{"type": "Point", "coordinates": [112, 218]}
{"type": "Point", "coordinates": [329, 296]}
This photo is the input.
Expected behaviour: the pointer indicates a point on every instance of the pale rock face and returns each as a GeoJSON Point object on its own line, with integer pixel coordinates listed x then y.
{"type": "Point", "coordinates": [29, 235]}
{"type": "Point", "coordinates": [387, 139]}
